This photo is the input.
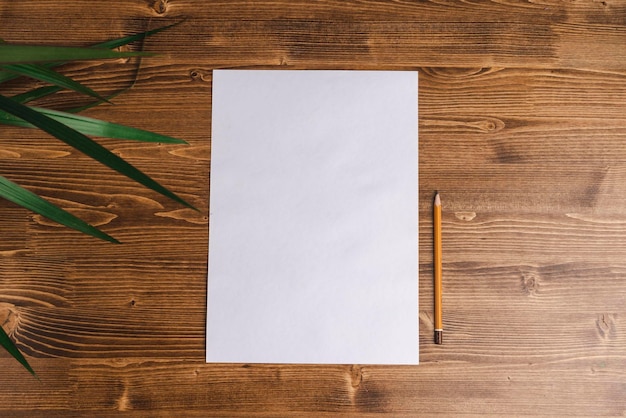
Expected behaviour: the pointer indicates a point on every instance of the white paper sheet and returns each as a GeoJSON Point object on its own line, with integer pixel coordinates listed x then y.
{"type": "Point", "coordinates": [313, 226]}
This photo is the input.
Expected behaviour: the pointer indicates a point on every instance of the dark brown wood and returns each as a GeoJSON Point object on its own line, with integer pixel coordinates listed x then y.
{"type": "Point", "coordinates": [522, 130]}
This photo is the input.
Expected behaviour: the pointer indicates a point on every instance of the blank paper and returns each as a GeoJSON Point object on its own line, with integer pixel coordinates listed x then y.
{"type": "Point", "coordinates": [313, 224]}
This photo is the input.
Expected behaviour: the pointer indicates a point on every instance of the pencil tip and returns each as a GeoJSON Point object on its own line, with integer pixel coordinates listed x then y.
{"type": "Point", "coordinates": [437, 199]}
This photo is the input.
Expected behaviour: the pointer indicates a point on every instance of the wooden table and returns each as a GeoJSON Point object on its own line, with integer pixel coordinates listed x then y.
{"type": "Point", "coordinates": [522, 130]}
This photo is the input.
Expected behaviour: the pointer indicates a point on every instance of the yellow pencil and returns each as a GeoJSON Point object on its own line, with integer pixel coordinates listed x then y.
{"type": "Point", "coordinates": [438, 269]}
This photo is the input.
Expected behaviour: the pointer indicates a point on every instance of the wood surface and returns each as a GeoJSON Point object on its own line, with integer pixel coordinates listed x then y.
{"type": "Point", "coordinates": [522, 130]}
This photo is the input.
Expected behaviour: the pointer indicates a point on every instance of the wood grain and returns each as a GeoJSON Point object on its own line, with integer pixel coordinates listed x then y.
{"type": "Point", "coordinates": [522, 130]}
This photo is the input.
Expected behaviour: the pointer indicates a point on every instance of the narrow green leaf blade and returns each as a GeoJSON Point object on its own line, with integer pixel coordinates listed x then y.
{"type": "Point", "coordinates": [86, 145]}
{"type": "Point", "coordinates": [29, 200]}
{"type": "Point", "coordinates": [92, 126]}
{"type": "Point", "coordinates": [117, 42]}
{"type": "Point", "coordinates": [110, 44]}
{"type": "Point", "coordinates": [42, 73]}
{"type": "Point", "coordinates": [35, 94]}
{"type": "Point", "coordinates": [41, 92]}
{"type": "Point", "coordinates": [7, 343]}
{"type": "Point", "coordinates": [16, 54]}
{"type": "Point", "coordinates": [99, 102]}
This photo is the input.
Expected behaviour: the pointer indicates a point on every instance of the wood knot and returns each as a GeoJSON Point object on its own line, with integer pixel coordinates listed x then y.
{"type": "Point", "coordinates": [465, 216]}
{"type": "Point", "coordinates": [124, 401]}
{"type": "Point", "coordinates": [458, 72]}
{"type": "Point", "coordinates": [9, 319]}
{"type": "Point", "coordinates": [160, 6]}
{"type": "Point", "coordinates": [123, 48]}
{"type": "Point", "coordinates": [489, 125]}
{"type": "Point", "coordinates": [530, 283]}
{"type": "Point", "coordinates": [426, 319]}
{"type": "Point", "coordinates": [187, 215]}
{"type": "Point", "coordinates": [605, 324]}
{"type": "Point", "coordinates": [200, 75]}
{"type": "Point", "coordinates": [356, 376]}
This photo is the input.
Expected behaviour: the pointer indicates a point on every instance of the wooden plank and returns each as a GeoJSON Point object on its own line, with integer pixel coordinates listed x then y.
{"type": "Point", "coordinates": [381, 34]}
{"type": "Point", "coordinates": [501, 389]}
{"type": "Point", "coordinates": [538, 300]}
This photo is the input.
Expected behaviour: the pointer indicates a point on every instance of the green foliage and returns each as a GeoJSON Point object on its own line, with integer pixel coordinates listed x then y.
{"type": "Point", "coordinates": [29, 54]}
{"type": "Point", "coordinates": [8, 345]}
{"type": "Point", "coordinates": [16, 194]}
{"type": "Point", "coordinates": [37, 62]}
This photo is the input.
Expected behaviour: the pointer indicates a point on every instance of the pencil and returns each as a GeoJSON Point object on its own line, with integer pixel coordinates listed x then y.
{"type": "Point", "coordinates": [438, 269]}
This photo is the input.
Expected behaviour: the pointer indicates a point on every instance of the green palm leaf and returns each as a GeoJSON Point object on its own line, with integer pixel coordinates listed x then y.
{"type": "Point", "coordinates": [41, 92]}
{"type": "Point", "coordinates": [117, 42]}
{"type": "Point", "coordinates": [8, 345]}
{"type": "Point", "coordinates": [35, 94]}
{"type": "Point", "coordinates": [29, 200]}
{"type": "Point", "coordinates": [16, 54]}
{"type": "Point", "coordinates": [110, 44]}
{"type": "Point", "coordinates": [86, 145]}
{"type": "Point", "coordinates": [36, 62]}
{"type": "Point", "coordinates": [91, 126]}
{"type": "Point", "coordinates": [42, 73]}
